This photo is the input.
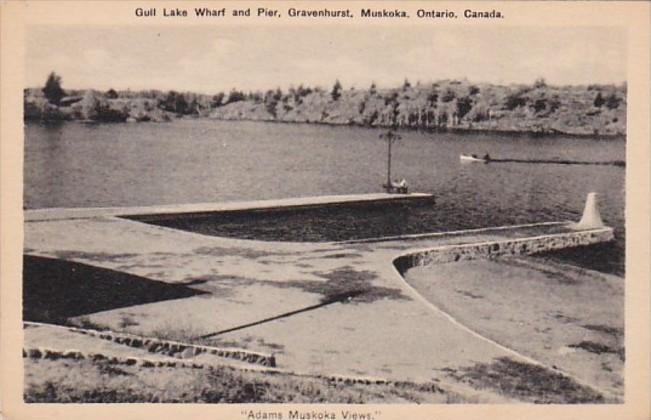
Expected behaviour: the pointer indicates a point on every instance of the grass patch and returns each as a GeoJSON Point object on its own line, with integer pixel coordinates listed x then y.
{"type": "Point", "coordinates": [607, 257]}
{"type": "Point", "coordinates": [127, 321]}
{"type": "Point", "coordinates": [179, 332]}
{"type": "Point", "coordinates": [86, 323]}
{"type": "Point", "coordinates": [613, 331]}
{"type": "Point", "coordinates": [599, 348]}
{"type": "Point", "coordinates": [527, 382]}
{"type": "Point", "coordinates": [61, 381]}
{"type": "Point", "coordinates": [111, 370]}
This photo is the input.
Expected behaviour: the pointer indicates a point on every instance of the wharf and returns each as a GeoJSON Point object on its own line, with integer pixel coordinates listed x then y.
{"type": "Point", "coordinates": [383, 329]}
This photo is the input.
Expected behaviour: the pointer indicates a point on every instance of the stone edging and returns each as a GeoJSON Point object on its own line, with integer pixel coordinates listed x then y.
{"type": "Point", "coordinates": [73, 354]}
{"type": "Point", "coordinates": [51, 354]}
{"type": "Point", "coordinates": [170, 348]}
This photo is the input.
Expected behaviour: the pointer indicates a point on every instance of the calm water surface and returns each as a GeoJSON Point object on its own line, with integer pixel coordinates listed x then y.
{"type": "Point", "coordinates": [185, 161]}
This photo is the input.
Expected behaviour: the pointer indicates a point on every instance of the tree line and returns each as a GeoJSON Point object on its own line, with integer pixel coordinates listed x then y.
{"type": "Point", "coordinates": [447, 103]}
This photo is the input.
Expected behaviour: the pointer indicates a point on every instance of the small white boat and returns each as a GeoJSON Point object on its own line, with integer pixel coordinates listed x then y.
{"type": "Point", "coordinates": [472, 158]}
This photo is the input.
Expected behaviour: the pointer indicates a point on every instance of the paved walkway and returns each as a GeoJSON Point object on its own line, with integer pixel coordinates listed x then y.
{"type": "Point", "coordinates": [387, 330]}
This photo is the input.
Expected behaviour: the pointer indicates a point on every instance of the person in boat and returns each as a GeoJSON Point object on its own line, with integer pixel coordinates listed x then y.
{"type": "Point", "coordinates": [487, 157]}
{"type": "Point", "coordinates": [401, 186]}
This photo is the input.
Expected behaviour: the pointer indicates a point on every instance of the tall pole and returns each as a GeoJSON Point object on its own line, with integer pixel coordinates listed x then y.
{"type": "Point", "coordinates": [389, 162]}
{"type": "Point", "coordinates": [390, 137]}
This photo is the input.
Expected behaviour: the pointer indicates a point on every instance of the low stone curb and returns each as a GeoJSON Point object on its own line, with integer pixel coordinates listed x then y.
{"type": "Point", "coordinates": [51, 354]}
{"type": "Point", "coordinates": [169, 348]}
{"type": "Point", "coordinates": [352, 380]}
{"type": "Point", "coordinates": [267, 363]}
{"type": "Point", "coordinates": [73, 354]}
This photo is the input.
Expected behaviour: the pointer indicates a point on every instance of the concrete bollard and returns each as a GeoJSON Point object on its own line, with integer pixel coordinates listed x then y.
{"type": "Point", "coordinates": [591, 217]}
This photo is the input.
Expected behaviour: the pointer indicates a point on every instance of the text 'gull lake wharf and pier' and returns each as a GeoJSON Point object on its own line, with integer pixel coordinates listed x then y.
{"type": "Point", "coordinates": [292, 12]}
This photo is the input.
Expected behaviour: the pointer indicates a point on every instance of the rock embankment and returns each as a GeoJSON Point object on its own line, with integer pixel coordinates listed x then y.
{"type": "Point", "coordinates": [575, 110]}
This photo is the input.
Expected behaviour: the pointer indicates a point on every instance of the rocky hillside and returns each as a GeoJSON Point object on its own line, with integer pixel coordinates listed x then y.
{"type": "Point", "coordinates": [449, 104]}
{"type": "Point", "coordinates": [540, 108]}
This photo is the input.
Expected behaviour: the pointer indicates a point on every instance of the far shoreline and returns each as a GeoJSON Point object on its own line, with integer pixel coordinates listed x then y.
{"type": "Point", "coordinates": [433, 130]}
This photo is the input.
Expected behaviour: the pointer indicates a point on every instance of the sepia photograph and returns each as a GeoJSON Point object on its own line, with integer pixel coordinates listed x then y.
{"type": "Point", "coordinates": [331, 213]}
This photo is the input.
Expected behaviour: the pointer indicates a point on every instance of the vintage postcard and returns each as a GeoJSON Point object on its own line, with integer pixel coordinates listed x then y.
{"type": "Point", "coordinates": [318, 210]}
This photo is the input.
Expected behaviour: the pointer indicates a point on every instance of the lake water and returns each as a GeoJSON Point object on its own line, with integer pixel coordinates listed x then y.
{"type": "Point", "coordinates": [186, 161]}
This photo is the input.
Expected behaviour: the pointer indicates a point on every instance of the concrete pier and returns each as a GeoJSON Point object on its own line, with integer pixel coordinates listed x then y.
{"type": "Point", "coordinates": [166, 209]}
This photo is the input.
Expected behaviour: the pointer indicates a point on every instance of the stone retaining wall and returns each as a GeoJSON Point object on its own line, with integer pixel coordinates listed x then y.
{"type": "Point", "coordinates": [501, 248]}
